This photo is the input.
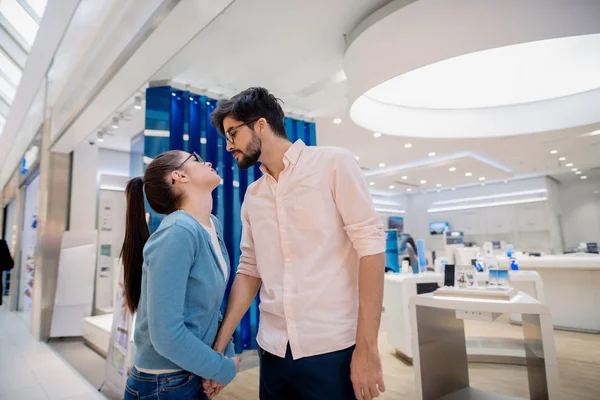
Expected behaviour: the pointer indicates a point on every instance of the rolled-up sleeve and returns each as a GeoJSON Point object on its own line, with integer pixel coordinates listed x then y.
{"type": "Point", "coordinates": [361, 222]}
{"type": "Point", "coordinates": [247, 265]}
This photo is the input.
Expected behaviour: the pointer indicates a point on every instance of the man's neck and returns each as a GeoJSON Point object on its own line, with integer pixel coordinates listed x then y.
{"type": "Point", "coordinates": [272, 155]}
{"type": "Point", "coordinates": [199, 207]}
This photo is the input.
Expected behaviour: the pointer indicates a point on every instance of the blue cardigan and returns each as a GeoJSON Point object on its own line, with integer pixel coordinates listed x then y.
{"type": "Point", "coordinates": [179, 310]}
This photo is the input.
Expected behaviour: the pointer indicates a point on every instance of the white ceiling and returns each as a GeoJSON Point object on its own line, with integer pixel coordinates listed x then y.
{"type": "Point", "coordinates": [297, 52]}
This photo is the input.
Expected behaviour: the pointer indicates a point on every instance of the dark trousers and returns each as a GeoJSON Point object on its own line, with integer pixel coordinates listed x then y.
{"type": "Point", "coordinates": [322, 377]}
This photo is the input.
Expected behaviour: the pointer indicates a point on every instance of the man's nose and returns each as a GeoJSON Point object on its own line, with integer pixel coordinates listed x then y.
{"type": "Point", "coordinates": [229, 146]}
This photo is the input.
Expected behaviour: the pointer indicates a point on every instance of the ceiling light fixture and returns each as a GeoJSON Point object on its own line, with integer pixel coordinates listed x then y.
{"type": "Point", "coordinates": [584, 177]}
{"type": "Point", "coordinates": [137, 102]}
{"type": "Point", "coordinates": [569, 165]}
{"type": "Point", "coordinates": [337, 121]}
{"type": "Point", "coordinates": [578, 173]}
{"type": "Point", "coordinates": [562, 158]}
{"type": "Point", "coordinates": [389, 210]}
{"type": "Point", "coordinates": [392, 186]}
{"type": "Point", "coordinates": [356, 158]}
{"type": "Point", "coordinates": [423, 182]}
{"type": "Point", "coordinates": [492, 196]}
{"type": "Point", "coordinates": [485, 205]}
{"type": "Point", "coordinates": [381, 165]}
{"type": "Point", "coordinates": [115, 123]}
{"type": "Point", "coordinates": [409, 190]}
{"type": "Point", "coordinates": [404, 177]}
{"type": "Point", "coordinates": [377, 134]}
{"type": "Point", "coordinates": [439, 185]}
{"type": "Point", "coordinates": [574, 169]}
{"type": "Point", "coordinates": [482, 178]}
{"type": "Point", "coordinates": [452, 169]}
{"type": "Point", "coordinates": [553, 151]}
{"type": "Point", "coordinates": [432, 154]}
{"type": "Point", "coordinates": [372, 183]}
{"type": "Point", "coordinates": [468, 174]}
{"type": "Point", "coordinates": [408, 145]}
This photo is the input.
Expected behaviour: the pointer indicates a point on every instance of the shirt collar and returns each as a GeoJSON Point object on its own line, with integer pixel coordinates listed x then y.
{"type": "Point", "coordinates": [291, 156]}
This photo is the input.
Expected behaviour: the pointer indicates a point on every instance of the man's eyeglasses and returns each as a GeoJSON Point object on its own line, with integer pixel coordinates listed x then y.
{"type": "Point", "coordinates": [230, 133]}
{"type": "Point", "coordinates": [196, 157]}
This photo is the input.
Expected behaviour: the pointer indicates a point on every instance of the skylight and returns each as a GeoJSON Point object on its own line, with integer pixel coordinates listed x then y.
{"type": "Point", "coordinates": [19, 25]}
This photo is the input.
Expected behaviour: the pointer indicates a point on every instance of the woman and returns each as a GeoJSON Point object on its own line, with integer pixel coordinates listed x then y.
{"type": "Point", "coordinates": [175, 280]}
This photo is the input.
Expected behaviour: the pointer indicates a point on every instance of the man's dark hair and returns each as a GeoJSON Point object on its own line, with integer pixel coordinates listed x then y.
{"type": "Point", "coordinates": [251, 104]}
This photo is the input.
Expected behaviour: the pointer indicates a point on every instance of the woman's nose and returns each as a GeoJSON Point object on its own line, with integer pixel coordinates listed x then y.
{"type": "Point", "coordinates": [208, 164]}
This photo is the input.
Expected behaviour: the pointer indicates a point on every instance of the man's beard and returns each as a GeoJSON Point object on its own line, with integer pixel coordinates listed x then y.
{"type": "Point", "coordinates": [252, 153]}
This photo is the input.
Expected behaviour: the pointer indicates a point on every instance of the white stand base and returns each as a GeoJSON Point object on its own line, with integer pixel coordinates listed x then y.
{"type": "Point", "coordinates": [97, 332]}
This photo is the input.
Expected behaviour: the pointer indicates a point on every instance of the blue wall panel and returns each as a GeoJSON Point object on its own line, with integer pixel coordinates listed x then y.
{"type": "Point", "coordinates": [180, 120]}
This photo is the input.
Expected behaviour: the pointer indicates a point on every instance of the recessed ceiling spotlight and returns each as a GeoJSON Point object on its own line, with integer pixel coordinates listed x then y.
{"type": "Point", "coordinates": [337, 121]}
{"type": "Point", "coordinates": [423, 182]}
{"type": "Point", "coordinates": [569, 164]}
{"type": "Point", "coordinates": [137, 102]}
{"type": "Point", "coordinates": [432, 154]}
{"type": "Point", "coordinates": [408, 145]}
{"type": "Point", "coordinates": [452, 169]}
{"type": "Point", "coordinates": [404, 177]}
{"type": "Point", "coordinates": [482, 178]}
{"type": "Point", "coordinates": [468, 174]}
{"type": "Point", "coordinates": [584, 177]}
{"type": "Point", "coordinates": [575, 169]}
{"type": "Point", "coordinates": [356, 158]}
{"type": "Point", "coordinates": [562, 158]}
{"type": "Point", "coordinates": [377, 134]}
{"type": "Point", "coordinates": [115, 123]}
{"type": "Point", "coordinates": [409, 190]}
{"type": "Point", "coordinates": [578, 173]}
{"type": "Point", "coordinates": [439, 185]}
{"type": "Point", "coordinates": [372, 183]}
{"type": "Point", "coordinates": [392, 186]}
{"type": "Point", "coordinates": [381, 165]}
{"type": "Point", "coordinates": [553, 151]}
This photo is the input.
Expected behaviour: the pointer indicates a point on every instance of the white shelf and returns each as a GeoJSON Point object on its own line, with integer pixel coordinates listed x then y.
{"type": "Point", "coordinates": [472, 393]}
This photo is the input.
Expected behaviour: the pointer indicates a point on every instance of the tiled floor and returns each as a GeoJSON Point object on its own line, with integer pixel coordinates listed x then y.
{"type": "Point", "coordinates": [31, 370]}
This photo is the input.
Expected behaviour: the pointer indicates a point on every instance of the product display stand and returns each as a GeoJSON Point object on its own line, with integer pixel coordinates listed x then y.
{"type": "Point", "coordinates": [399, 288]}
{"type": "Point", "coordinates": [440, 348]}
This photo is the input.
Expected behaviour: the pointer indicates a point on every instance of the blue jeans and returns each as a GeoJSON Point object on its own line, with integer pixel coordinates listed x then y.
{"type": "Point", "coordinates": [175, 386]}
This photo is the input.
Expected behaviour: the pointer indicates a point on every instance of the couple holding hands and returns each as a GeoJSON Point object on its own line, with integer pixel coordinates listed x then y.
{"type": "Point", "coordinates": [312, 243]}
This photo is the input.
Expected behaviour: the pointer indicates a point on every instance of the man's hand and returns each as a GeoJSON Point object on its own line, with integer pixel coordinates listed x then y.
{"type": "Point", "coordinates": [366, 373]}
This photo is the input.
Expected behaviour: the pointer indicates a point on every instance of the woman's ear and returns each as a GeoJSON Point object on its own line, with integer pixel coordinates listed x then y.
{"type": "Point", "coordinates": [179, 176]}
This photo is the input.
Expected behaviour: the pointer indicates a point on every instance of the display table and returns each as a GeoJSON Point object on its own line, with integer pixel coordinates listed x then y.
{"type": "Point", "coordinates": [399, 288]}
{"type": "Point", "coordinates": [96, 332]}
{"type": "Point", "coordinates": [571, 287]}
{"type": "Point", "coordinates": [440, 349]}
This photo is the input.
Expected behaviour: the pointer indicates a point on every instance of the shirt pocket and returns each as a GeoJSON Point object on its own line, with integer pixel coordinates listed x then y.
{"type": "Point", "coordinates": [309, 211]}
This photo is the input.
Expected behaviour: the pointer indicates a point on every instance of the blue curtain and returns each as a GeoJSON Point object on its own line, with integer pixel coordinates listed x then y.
{"type": "Point", "coordinates": [180, 120]}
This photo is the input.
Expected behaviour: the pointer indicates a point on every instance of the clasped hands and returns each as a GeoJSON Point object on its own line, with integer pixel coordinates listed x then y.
{"type": "Point", "coordinates": [213, 388]}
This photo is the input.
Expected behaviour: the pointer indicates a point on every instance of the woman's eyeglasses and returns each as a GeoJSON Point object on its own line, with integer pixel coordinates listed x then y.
{"type": "Point", "coordinates": [196, 157]}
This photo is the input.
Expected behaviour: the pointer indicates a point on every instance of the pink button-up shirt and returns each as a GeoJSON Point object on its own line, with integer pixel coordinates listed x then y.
{"type": "Point", "coordinates": [303, 236]}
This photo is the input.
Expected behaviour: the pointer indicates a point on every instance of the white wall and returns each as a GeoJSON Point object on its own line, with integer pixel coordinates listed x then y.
{"type": "Point", "coordinates": [84, 188]}
{"type": "Point", "coordinates": [532, 226]}
{"type": "Point", "coordinates": [89, 164]}
{"type": "Point", "coordinates": [580, 205]}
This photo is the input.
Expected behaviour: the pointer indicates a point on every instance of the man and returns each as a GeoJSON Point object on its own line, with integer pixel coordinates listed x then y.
{"type": "Point", "coordinates": [311, 237]}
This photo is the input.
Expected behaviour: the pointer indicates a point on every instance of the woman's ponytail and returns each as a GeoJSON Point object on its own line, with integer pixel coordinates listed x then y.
{"type": "Point", "coordinates": [136, 235]}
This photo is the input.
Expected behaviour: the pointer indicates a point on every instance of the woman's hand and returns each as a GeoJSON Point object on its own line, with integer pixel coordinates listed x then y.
{"type": "Point", "coordinates": [213, 388]}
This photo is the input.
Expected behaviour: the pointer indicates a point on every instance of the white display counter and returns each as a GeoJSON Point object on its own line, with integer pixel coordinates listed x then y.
{"type": "Point", "coordinates": [399, 288]}
{"type": "Point", "coordinates": [440, 349]}
{"type": "Point", "coordinates": [571, 288]}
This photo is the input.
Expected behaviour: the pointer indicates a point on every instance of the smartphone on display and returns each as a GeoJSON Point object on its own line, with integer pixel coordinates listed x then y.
{"type": "Point", "coordinates": [449, 275]}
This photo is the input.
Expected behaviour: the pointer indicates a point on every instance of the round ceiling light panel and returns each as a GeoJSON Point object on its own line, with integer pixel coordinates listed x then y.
{"type": "Point", "coordinates": [451, 68]}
